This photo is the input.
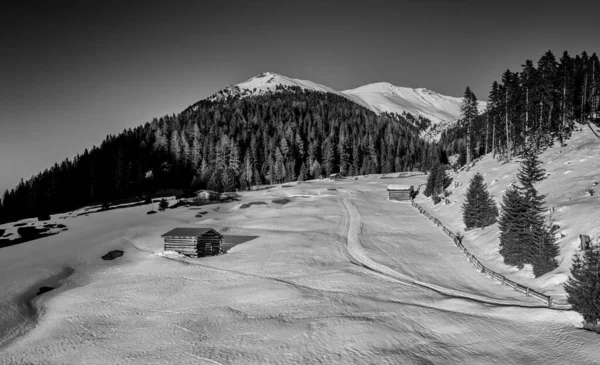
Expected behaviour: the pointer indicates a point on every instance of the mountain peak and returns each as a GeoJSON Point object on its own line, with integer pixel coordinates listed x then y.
{"type": "Point", "coordinates": [380, 97]}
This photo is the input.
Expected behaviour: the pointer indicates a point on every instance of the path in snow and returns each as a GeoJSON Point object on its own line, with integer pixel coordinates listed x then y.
{"type": "Point", "coordinates": [359, 256]}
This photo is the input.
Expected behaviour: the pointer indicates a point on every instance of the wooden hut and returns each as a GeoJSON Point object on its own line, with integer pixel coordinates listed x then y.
{"type": "Point", "coordinates": [400, 192]}
{"type": "Point", "coordinates": [335, 176]}
{"type": "Point", "coordinates": [194, 242]}
{"type": "Point", "coordinates": [207, 195]}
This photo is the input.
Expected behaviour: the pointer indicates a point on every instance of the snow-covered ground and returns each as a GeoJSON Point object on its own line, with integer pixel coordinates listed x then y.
{"type": "Point", "coordinates": [571, 170]}
{"type": "Point", "coordinates": [335, 276]}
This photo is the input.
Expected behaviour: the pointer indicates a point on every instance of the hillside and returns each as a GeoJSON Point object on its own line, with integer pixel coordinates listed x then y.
{"type": "Point", "coordinates": [224, 145]}
{"type": "Point", "coordinates": [571, 170]}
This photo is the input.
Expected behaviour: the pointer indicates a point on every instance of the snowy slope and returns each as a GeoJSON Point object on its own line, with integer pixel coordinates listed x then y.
{"type": "Point", "coordinates": [379, 97]}
{"type": "Point", "coordinates": [571, 171]}
{"type": "Point", "coordinates": [385, 97]}
{"type": "Point", "coordinates": [268, 82]}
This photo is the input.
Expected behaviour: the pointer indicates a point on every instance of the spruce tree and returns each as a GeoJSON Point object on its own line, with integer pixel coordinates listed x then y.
{"type": "Point", "coordinates": [538, 236]}
{"type": "Point", "coordinates": [512, 225]}
{"type": "Point", "coordinates": [530, 172]}
{"type": "Point", "coordinates": [525, 238]}
{"type": "Point", "coordinates": [438, 188]}
{"type": "Point", "coordinates": [429, 188]}
{"type": "Point", "coordinates": [479, 209]}
{"type": "Point", "coordinates": [583, 287]}
{"type": "Point", "coordinates": [469, 112]}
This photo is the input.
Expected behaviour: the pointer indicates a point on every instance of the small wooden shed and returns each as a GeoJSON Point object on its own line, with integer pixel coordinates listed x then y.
{"type": "Point", "coordinates": [400, 192]}
{"type": "Point", "coordinates": [194, 242]}
{"type": "Point", "coordinates": [207, 195]}
{"type": "Point", "coordinates": [335, 176]}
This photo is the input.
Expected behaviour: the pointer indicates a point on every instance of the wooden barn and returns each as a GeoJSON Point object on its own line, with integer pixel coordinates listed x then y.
{"type": "Point", "coordinates": [207, 195]}
{"type": "Point", "coordinates": [194, 242]}
{"type": "Point", "coordinates": [400, 192]}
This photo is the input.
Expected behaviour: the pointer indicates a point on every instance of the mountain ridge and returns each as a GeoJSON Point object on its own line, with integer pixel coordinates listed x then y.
{"type": "Point", "coordinates": [379, 97]}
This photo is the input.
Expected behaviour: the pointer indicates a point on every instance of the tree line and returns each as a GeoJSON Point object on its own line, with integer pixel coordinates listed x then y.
{"type": "Point", "coordinates": [223, 145]}
{"type": "Point", "coordinates": [534, 106]}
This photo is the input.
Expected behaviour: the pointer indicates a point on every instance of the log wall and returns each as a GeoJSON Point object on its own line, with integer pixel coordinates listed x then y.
{"type": "Point", "coordinates": [399, 194]}
{"type": "Point", "coordinates": [194, 246]}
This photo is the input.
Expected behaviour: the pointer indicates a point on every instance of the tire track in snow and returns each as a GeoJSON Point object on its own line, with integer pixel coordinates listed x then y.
{"type": "Point", "coordinates": [361, 258]}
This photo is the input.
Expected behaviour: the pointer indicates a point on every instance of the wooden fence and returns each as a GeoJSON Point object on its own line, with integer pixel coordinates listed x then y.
{"type": "Point", "coordinates": [484, 270]}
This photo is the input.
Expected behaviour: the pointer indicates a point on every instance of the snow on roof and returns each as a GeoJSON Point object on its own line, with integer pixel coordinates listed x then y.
{"type": "Point", "coordinates": [206, 191]}
{"type": "Point", "coordinates": [399, 187]}
{"type": "Point", "coordinates": [188, 232]}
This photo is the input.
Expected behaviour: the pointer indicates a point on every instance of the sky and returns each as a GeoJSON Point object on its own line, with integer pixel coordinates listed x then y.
{"type": "Point", "coordinates": [73, 72]}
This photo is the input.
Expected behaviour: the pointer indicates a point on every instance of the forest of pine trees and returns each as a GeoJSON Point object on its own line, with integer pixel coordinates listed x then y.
{"type": "Point", "coordinates": [226, 145]}
{"type": "Point", "coordinates": [536, 106]}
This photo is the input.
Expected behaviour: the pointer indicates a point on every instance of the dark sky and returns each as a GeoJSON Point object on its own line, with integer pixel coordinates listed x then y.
{"type": "Point", "coordinates": [71, 73]}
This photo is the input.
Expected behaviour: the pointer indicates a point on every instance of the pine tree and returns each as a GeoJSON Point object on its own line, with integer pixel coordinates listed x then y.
{"type": "Point", "coordinates": [479, 208]}
{"type": "Point", "coordinates": [430, 186]}
{"type": "Point", "coordinates": [539, 236]}
{"type": "Point", "coordinates": [469, 112]}
{"type": "Point", "coordinates": [438, 188]}
{"type": "Point", "coordinates": [528, 80]}
{"type": "Point", "coordinates": [525, 238]}
{"type": "Point", "coordinates": [512, 225]}
{"type": "Point", "coordinates": [175, 146]}
{"type": "Point", "coordinates": [530, 172]}
{"type": "Point", "coordinates": [583, 287]}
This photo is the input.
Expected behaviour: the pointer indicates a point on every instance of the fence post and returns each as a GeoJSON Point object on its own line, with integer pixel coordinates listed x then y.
{"type": "Point", "coordinates": [502, 279]}
{"type": "Point", "coordinates": [527, 291]}
{"type": "Point", "coordinates": [549, 301]}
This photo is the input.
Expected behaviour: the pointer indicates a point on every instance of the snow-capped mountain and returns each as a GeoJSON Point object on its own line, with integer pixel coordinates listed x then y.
{"type": "Point", "coordinates": [379, 97]}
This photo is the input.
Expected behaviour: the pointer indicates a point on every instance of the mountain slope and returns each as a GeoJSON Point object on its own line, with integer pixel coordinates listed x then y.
{"type": "Point", "coordinates": [385, 97]}
{"type": "Point", "coordinates": [381, 97]}
{"type": "Point", "coordinates": [571, 172]}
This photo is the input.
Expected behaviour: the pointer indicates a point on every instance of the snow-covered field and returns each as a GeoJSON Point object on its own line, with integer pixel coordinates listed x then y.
{"type": "Point", "coordinates": [335, 276]}
{"type": "Point", "coordinates": [571, 170]}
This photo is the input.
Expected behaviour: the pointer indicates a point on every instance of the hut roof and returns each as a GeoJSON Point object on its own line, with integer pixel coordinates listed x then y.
{"type": "Point", "coordinates": [189, 232]}
{"type": "Point", "coordinates": [207, 191]}
{"type": "Point", "coordinates": [399, 187]}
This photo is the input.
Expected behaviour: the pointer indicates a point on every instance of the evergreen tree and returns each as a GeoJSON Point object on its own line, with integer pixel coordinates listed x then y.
{"type": "Point", "coordinates": [469, 112]}
{"type": "Point", "coordinates": [538, 236]}
{"type": "Point", "coordinates": [525, 237]}
{"type": "Point", "coordinates": [479, 208]}
{"type": "Point", "coordinates": [530, 172]}
{"type": "Point", "coordinates": [175, 146]}
{"type": "Point", "coordinates": [512, 224]}
{"type": "Point", "coordinates": [438, 188]}
{"type": "Point", "coordinates": [430, 186]}
{"type": "Point", "coordinates": [583, 287]}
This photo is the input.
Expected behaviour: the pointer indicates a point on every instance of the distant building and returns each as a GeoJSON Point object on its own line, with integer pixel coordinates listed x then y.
{"type": "Point", "coordinates": [400, 192]}
{"type": "Point", "coordinates": [207, 195]}
{"type": "Point", "coordinates": [230, 195]}
{"type": "Point", "coordinates": [335, 176]}
{"type": "Point", "coordinates": [195, 242]}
